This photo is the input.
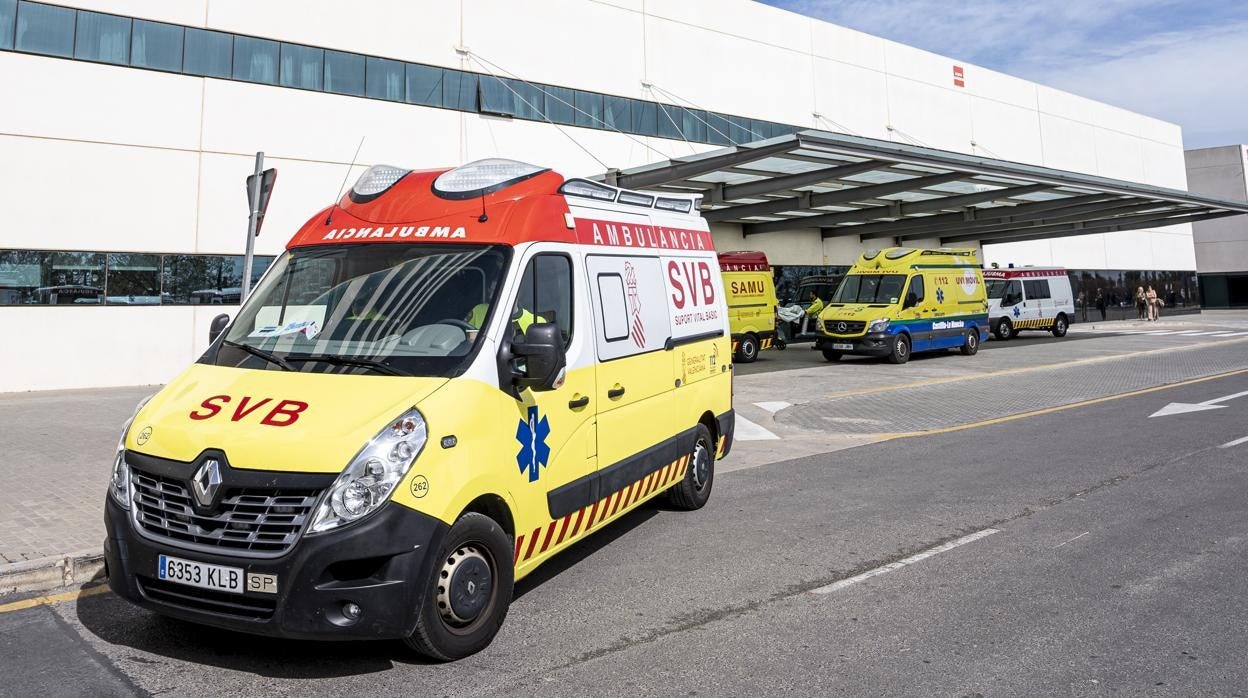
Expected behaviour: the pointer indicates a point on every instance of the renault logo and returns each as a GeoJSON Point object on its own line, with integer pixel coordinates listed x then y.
{"type": "Point", "coordinates": [841, 327]}
{"type": "Point", "coordinates": [206, 482]}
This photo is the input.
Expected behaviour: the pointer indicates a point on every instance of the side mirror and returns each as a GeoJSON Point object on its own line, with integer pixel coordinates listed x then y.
{"type": "Point", "coordinates": [219, 323]}
{"type": "Point", "coordinates": [542, 355]}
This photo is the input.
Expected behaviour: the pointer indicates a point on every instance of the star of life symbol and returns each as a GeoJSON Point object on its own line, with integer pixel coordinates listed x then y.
{"type": "Point", "coordinates": [534, 451]}
{"type": "Point", "coordinates": [1017, 312]}
{"type": "Point", "coordinates": [940, 295]}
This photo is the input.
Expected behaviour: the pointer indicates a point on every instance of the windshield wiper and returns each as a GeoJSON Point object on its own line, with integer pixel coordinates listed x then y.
{"type": "Point", "coordinates": [271, 358]}
{"type": "Point", "coordinates": [349, 361]}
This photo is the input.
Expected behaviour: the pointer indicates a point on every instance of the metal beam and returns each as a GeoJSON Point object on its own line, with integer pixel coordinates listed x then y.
{"type": "Point", "coordinates": [831, 198]}
{"type": "Point", "coordinates": [930, 224]}
{"type": "Point", "coordinates": [1145, 220]}
{"type": "Point", "coordinates": [902, 209]}
{"type": "Point", "coordinates": [684, 168]}
{"type": "Point", "coordinates": [1071, 231]}
{"type": "Point", "coordinates": [1089, 216]}
{"type": "Point", "coordinates": [747, 190]}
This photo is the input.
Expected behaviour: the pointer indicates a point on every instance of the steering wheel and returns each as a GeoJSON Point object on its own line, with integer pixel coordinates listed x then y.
{"type": "Point", "coordinates": [461, 324]}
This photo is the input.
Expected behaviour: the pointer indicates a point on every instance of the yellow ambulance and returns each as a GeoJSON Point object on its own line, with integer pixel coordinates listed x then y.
{"type": "Point", "coordinates": [449, 377]}
{"type": "Point", "coordinates": [898, 301]}
{"type": "Point", "coordinates": [752, 302]}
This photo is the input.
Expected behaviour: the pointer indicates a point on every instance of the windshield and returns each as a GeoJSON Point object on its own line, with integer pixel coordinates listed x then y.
{"type": "Point", "coordinates": [997, 288]}
{"type": "Point", "coordinates": [383, 308]}
{"type": "Point", "coordinates": [870, 288]}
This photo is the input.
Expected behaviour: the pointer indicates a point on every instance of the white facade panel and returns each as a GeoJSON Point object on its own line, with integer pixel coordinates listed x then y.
{"type": "Point", "coordinates": [1068, 144]}
{"type": "Point", "coordinates": [848, 46]}
{"type": "Point", "coordinates": [851, 99]}
{"type": "Point", "coordinates": [922, 114]}
{"type": "Point", "coordinates": [188, 12]}
{"type": "Point", "coordinates": [1005, 131]}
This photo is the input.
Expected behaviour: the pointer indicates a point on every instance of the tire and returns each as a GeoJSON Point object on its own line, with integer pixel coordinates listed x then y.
{"type": "Point", "coordinates": [970, 347]}
{"type": "Point", "coordinates": [831, 355]}
{"type": "Point", "coordinates": [901, 349]}
{"type": "Point", "coordinates": [693, 491]}
{"type": "Point", "coordinates": [1060, 325]}
{"type": "Point", "coordinates": [747, 349]}
{"type": "Point", "coordinates": [476, 556]}
{"type": "Point", "coordinates": [1005, 329]}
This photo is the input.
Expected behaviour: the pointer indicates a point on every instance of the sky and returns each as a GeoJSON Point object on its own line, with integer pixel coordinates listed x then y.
{"type": "Point", "coordinates": [1184, 61]}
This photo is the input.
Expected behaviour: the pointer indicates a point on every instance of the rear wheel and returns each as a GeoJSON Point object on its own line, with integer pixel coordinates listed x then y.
{"type": "Point", "coordinates": [1060, 325]}
{"type": "Point", "coordinates": [466, 599]}
{"type": "Point", "coordinates": [970, 347]}
{"type": "Point", "coordinates": [1005, 329]}
{"type": "Point", "coordinates": [694, 489]}
{"type": "Point", "coordinates": [900, 353]}
{"type": "Point", "coordinates": [747, 349]}
{"type": "Point", "coordinates": [831, 355]}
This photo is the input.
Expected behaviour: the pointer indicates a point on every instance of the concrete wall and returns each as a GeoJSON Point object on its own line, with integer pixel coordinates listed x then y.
{"type": "Point", "coordinates": [155, 162]}
{"type": "Point", "coordinates": [1222, 243]}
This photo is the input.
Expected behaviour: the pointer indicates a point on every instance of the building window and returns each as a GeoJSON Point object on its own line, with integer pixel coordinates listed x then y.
{"type": "Point", "coordinates": [617, 112]}
{"type": "Point", "coordinates": [560, 105]}
{"type": "Point", "coordinates": [156, 45]}
{"type": "Point", "coordinates": [344, 73]}
{"type": "Point", "coordinates": [495, 98]}
{"type": "Point", "coordinates": [8, 20]}
{"type": "Point", "coordinates": [104, 38]}
{"type": "Point", "coordinates": [133, 279]}
{"type": "Point", "coordinates": [45, 29]}
{"type": "Point", "coordinates": [589, 109]}
{"type": "Point", "coordinates": [208, 53]}
{"type": "Point", "coordinates": [424, 85]}
{"type": "Point", "coordinates": [384, 79]}
{"type": "Point", "coordinates": [302, 66]}
{"type": "Point", "coordinates": [255, 60]}
{"type": "Point", "coordinates": [459, 90]}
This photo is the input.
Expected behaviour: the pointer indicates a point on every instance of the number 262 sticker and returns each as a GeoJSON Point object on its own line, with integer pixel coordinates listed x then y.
{"type": "Point", "coordinates": [419, 486]}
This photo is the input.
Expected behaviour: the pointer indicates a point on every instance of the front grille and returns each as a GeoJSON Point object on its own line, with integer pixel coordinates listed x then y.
{"type": "Point", "coordinates": [252, 520]}
{"type": "Point", "coordinates": [851, 326]}
{"type": "Point", "coordinates": [224, 603]}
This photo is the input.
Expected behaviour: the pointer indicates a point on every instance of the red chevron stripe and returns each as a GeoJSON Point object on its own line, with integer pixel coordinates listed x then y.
{"type": "Point", "coordinates": [519, 543]}
{"type": "Point", "coordinates": [605, 507]}
{"type": "Point", "coordinates": [589, 523]}
{"type": "Point", "coordinates": [550, 533]}
{"type": "Point", "coordinates": [620, 499]}
{"type": "Point", "coordinates": [563, 530]}
{"type": "Point", "coordinates": [649, 482]}
{"type": "Point", "coordinates": [579, 515]}
{"type": "Point", "coordinates": [532, 542]}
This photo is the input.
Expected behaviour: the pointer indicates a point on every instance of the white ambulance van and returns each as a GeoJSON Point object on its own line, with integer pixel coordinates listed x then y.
{"type": "Point", "coordinates": [1029, 298]}
{"type": "Point", "coordinates": [448, 378]}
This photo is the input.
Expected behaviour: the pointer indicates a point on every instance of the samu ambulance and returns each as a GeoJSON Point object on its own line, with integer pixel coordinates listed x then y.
{"type": "Point", "coordinates": [1029, 298]}
{"type": "Point", "coordinates": [752, 302]}
{"type": "Point", "coordinates": [898, 301]}
{"type": "Point", "coordinates": [448, 378]}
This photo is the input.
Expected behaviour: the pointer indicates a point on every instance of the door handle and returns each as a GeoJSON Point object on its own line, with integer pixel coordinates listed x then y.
{"type": "Point", "coordinates": [579, 402]}
{"type": "Point", "coordinates": [614, 393]}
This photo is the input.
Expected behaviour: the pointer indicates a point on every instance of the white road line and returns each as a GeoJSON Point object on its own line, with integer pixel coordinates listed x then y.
{"type": "Point", "coordinates": [774, 407]}
{"type": "Point", "coordinates": [1166, 332]}
{"type": "Point", "coordinates": [1072, 540]}
{"type": "Point", "coordinates": [919, 557]}
{"type": "Point", "coordinates": [1193, 333]}
{"type": "Point", "coordinates": [1236, 442]}
{"type": "Point", "coordinates": [749, 431]}
{"type": "Point", "coordinates": [1226, 334]}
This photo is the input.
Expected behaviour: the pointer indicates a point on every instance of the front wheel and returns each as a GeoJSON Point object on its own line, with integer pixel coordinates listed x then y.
{"type": "Point", "coordinates": [901, 350]}
{"type": "Point", "coordinates": [970, 347]}
{"type": "Point", "coordinates": [1060, 325]}
{"type": "Point", "coordinates": [747, 349]}
{"type": "Point", "coordinates": [466, 599]}
{"type": "Point", "coordinates": [693, 491]}
{"type": "Point", "coordinates": [1005, 329]}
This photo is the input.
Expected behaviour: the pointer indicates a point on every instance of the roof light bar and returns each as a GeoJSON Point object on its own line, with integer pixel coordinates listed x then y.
{"type": "Point", "coordinates": [375, 181]}
{"type": "Point", "coordinates": [483, 177]}
{"type": "Point", "coordinates": [587, 190]}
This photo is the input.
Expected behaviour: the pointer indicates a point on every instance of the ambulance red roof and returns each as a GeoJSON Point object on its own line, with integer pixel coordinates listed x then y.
{"type": "Point", "coordinates": [743, 260]}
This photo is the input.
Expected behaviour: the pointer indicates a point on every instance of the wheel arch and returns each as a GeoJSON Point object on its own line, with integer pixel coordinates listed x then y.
{"type": "Point", "coordinates": [495, 507]}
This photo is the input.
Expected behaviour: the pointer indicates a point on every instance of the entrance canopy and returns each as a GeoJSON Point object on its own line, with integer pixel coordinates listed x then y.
{"type": "Point", "coordinates": [850, 186]}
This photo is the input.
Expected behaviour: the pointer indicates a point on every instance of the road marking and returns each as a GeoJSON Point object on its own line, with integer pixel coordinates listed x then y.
{"type": "Point", "coordinates": [54, 598]}
{"type": "Point", "coordinates": [1060, 408]}
{"type": "Point", "coordinates": [1166, 332]}
{"type": "Point", "coordinates": [1226, 334]}
{"type": "Point", "coordinates": [1027, 369]}
{"type": "Point", "coordinates": [775, 406]}
{"type": "Point", "coordinates": [1184, 407]}
{"type": "Point", "coordinates": [892, 566]}
{"type": "Point", "coordinates": [1236, 442]}
{"type": "Point", "coordinates": [1072, 540]}
{"type": "Point", "coordinates": [745, 430]}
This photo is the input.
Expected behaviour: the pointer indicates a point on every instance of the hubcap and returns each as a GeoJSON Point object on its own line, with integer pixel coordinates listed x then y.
{"type": "Point", "coordinates": [465, 585]}
{"type": "Point", "coordinates": [971, 340]}
{"type": "Point", "coordinates": [901, 347]}
{"type": "Point", "coordinates": [701, 466]}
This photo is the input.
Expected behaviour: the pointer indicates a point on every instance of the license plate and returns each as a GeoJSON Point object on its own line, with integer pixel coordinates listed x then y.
{"type": "Point", "coordinates": [201, 574]}
{"type": "Point", "coordinates": [843, 346]}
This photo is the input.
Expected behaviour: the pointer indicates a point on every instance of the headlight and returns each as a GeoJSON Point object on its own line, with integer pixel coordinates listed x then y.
{"type": "Point", "coordinates": [367, 481]}
{"type": "Point", "coordinates": [878, 325]}
{"type": "Point", "coordinates": [119, 486]}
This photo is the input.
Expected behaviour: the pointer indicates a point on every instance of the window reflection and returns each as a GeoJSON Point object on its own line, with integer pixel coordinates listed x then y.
{"type": "Point", "coordinates": [133, 279]}
{"type": "Point", "coordinates": [344, 73]}
{"type": "Point", "coordinates": [101, 37]}
{"type": "Point", "coordinates": [45, 29]}
{"type": "Point", "coordinates": [255, 60]}
{"type": "Point", "coordinates": [384, 79]}
{"type": "Point", "coordinates": [209, 53]}
{"type": "Point", "coordinates": [8, 19]}
{"type": "Point", "coordinates": [302, 66]}
{"type": "Point", "coordinates": [156, 45]}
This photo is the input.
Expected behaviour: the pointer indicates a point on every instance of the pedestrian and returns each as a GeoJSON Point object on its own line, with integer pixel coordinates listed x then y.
{"type": "Point", "coordinates": [1154, 304]}
{"type": "Point", "coordinates": [1100, 302]}
{"type": "Point", "coordinates": [1083, 305]}
{"type": "Point", "coordinates": [1141, 303]}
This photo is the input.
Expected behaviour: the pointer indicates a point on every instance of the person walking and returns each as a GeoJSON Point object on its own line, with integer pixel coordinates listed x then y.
{"type": "Point", "coordinates": [1154, 304]}
{"type": "Point", "coordinates": [1141, 304]}
{"type": "Point", "coordinates": [1100, 302]}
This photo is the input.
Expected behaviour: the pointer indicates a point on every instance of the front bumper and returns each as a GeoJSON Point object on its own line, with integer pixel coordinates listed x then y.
{"type": "Point", "coordinates": [870, 344]}
{"type": "Point", "coordinates": [378, 563]}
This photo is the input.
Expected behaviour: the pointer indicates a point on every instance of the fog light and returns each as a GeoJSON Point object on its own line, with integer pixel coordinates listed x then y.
{"type": "Point", "coordinates": [351, 611]}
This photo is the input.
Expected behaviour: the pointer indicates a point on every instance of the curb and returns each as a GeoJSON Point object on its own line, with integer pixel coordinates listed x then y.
{"type": "Point", "coordinates": [49, 573]}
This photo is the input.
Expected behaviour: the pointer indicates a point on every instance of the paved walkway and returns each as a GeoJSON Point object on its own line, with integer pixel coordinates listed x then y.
{"type": "Point", "coordinates": [59, 445]}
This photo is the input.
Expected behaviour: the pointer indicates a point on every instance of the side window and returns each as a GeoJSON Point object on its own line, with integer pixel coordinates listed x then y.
{"type": "Point", "coordinates": [614, 307]}
{"type": "Point", "coordinates": [1037, 289]}
{"type": "Point", "coordinates": [1013, 294]}
{"type": "Point", "coordinates": [631, 310]}
{"type": "Point", "coordinates": [915, 295]}
{"type": "Point", "coordinates": [545, 294]}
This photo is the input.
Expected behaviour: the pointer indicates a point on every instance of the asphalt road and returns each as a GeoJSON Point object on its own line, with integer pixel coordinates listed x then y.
{"type": "Point", "coordinates": [1112, 557]}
